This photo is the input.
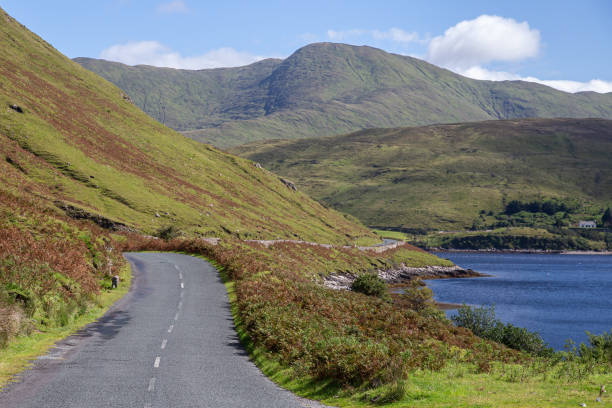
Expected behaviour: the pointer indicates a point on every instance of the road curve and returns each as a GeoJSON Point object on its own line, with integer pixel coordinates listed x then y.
{"type": "Point", "coordinates": [170, 342]}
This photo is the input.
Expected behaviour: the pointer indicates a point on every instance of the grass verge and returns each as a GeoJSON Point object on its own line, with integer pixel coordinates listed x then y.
{"type": "Point", "coordinates": [20, 353]}
{"type": "Point", "coordinates": [456, 385]}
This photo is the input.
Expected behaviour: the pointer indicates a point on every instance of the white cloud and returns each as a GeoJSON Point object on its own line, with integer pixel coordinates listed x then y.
{"type": "Point", "coordinates": [175, 6]}
{"type": "Point", "coordinates": [308, 37]}
{"type": "Point", "coordinates": [466, 46]}
{"type": "Point", "coordinates": [396, 34]}
{"type": "Point", "coordinates": [595, 85]}
{"type": "Point", "coordinates": [482, 40]}
{"type": "Point", "coordinates": [393, 34]}
{"type": "Point", "coordinates": [343, 35]}
{"type": "Point", "coordinates": [157, 54]}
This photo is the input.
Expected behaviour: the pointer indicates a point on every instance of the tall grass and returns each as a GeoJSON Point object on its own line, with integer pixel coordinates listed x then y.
{"type": "Point", "coordinates": [50, 267]}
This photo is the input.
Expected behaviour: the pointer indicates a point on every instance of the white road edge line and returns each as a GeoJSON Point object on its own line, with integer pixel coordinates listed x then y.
{"type": "Point", "coordinates": [170, 328]}
{"type": "Point", "coordinates": [164, 342]}
{"type": "Point", "coordinates": [182, 285]}
{"type": "Point", "coordinates": [156, 363]}
{"type": "Point", "coordinates": [151, 384]}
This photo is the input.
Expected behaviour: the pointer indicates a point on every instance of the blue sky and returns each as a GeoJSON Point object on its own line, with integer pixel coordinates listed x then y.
{"type": "Point", "coordinates": [562, 44]}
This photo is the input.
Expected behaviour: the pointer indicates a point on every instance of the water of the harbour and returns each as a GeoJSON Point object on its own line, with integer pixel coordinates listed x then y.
{"type": "Point", "coordinates": [559, 296]}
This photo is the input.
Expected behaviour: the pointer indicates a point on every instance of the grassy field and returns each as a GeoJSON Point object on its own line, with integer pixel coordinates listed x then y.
{"type": "Point", "coordinates": [326, 89]}
{"type": "Point", "coordinates": [450, 177]}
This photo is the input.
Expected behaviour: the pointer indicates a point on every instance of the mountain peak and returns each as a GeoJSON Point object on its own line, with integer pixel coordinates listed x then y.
{"type": "Point", "coordinates": [329, 88]}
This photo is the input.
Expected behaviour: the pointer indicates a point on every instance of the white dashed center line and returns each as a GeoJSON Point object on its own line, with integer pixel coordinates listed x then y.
{"type": "Point", "coordinates": [151, 384]}
{"type": "Point", "coordinates": [152, 381]}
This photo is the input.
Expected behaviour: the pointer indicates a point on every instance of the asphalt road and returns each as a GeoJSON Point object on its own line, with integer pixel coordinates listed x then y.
{"type": "Point", "coordinates": [169, 343]}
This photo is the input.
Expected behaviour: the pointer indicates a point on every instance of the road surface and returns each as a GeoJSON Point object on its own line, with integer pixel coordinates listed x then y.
{"type": "Point", "coordinates": [170, 342]}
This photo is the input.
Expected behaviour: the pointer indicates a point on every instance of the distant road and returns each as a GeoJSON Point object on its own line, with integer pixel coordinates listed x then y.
{"type": "Point", "coordinates": [169, 343]}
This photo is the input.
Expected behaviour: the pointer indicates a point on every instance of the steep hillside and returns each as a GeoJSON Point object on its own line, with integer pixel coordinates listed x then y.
{"type": "Point", "coordinates": [81, 145]}
{"type": "Point", "coordinates": [444, 176]}
{"type": "Point", "coordinates": [324, 89]}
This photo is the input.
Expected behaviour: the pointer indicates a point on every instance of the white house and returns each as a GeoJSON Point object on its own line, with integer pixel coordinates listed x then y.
{"type": "Point", "coordinates": [587, 224]}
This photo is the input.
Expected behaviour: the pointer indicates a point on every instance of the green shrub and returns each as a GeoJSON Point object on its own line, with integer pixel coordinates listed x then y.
{"type": "Point", "coordinates": [599, 348]}
{"type": "Point", "coordinates": [417, 296]}
{"type": "Point", "coordinates": [371, 285]}
{"type": "Point", "coordinates": [482, 322]}
{"type": "Point", "coordinates": [168, 233]}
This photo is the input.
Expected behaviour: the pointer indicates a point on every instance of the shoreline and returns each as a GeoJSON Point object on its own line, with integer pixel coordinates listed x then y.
{"type": "Point", "coordinates": [520, 251]}
{"type": "Point", "coordinates": [402, 276]}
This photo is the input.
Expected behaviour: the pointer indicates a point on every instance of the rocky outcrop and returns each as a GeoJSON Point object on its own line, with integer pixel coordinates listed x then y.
{"type": "Point", "coordinates": [16, 108]}
{"type": "Point", "coordinates": [290, 184]}
{"type": "Point", "coordinates": [80, 214]}
{"type": "Point", "coordinates": [126, 98]}
{"type": "Point", "coordinates": [402, 274]}
{"type": "Point", "coordinates": [211, 241]}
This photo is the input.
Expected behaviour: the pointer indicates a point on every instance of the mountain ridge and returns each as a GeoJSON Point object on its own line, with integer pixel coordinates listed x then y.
{"type": "Point", "coordinates": [324, 89]}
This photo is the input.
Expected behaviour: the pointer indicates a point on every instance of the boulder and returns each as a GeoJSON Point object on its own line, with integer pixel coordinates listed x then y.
{"type": "Point", "coordinates": [16, 108]}
{"type": "Point", "coordinates": [289, 184]}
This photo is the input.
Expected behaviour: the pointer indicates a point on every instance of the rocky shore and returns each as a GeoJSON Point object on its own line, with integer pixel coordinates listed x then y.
{"type": "Point", "coordinates": [401, 275]}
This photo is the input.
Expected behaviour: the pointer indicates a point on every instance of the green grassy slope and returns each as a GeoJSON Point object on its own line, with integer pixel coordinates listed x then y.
{"type": "Point", "coordinates": [325, 89]}
{"type": "Point", "coordinates": [442, 177]}
{"type": "Point", "coordinates": [80, 141]}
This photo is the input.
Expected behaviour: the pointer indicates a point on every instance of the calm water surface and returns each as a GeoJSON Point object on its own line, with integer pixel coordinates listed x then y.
{"type": "Point", "coordinates": [559, 296]}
